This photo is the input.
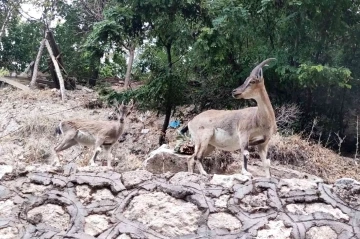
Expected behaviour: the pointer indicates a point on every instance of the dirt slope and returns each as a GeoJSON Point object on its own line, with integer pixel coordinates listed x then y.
{"type": "Point", "coordinates": [28, 121]}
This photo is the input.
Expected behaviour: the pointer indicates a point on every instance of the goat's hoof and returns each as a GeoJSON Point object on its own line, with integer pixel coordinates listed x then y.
{"type": "Point", "coordinates": [203, 173]}
{"type": "Point", "coordinates": [246, 173]}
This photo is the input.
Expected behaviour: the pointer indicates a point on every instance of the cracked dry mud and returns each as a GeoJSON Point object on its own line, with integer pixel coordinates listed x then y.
{"type": "Point", "coordinates": [74, 203]}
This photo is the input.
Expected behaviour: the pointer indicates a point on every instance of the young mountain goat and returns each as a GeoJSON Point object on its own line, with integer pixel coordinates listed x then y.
{"type": "Point", "coordinates": [231, 130]}
{"type": "Point", "coordinates": [93, 133]}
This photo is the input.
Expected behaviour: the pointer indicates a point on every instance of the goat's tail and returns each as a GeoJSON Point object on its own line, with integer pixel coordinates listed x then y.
{"type": "Point", "coordinates": [184, 130]}
{"type": "Point", "coordinates": [58, 130]}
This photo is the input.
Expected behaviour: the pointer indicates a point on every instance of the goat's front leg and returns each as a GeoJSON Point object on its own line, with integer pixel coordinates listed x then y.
{"type": "Point", "coordinates": [67, 142]}
{"type": "Point", "coordinates": [244, 155]}
{"type": "Point", "coordinates": [109, 155]}
{"type": "Point", "coordinates": [97, 145]}
{"type": "Point", "coordinates": [263, 150]}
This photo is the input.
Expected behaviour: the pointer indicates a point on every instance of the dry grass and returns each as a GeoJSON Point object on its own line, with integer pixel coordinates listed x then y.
{"type": "Point", "coordinates": [32, 118]}
{"type": "Point", "coordinates": [312, 158]}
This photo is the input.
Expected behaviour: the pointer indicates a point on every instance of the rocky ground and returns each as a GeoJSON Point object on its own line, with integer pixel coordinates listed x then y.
{"type": "Point", "coordinates": [47, 202]}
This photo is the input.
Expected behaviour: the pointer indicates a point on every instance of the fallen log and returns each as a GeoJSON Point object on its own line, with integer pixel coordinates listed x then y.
{"type": "Point", "coordinates": [15, 84]}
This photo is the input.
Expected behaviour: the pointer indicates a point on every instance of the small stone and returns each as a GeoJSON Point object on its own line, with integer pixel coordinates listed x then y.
{"type": "Point", "coordinates": [132, 178]}
{"type": "Point", "coordinates": [145, 131]}
{"type": "Point", "coordinates": [324, 232]}
{"type": "Point", "coordinates": [123, 236]}
{"type": "Point", "coordinates": [274, 229]}
{"type": "Point", "coordinates": [4, 192]}
{"type": "Point", "coordinates": [35, 219]}
{"type": "Point", "coordinates": [296, 184]}
{"type": "Point", "coordinates": [95, 224]}
{"type": "Point", "coordinates": [102, 194]}
{"type": "Point", "coordinates": [9, 233]}
{"type": "Point", "coordinates": [306, 209]}
{"type": "Point", "coordinates": [34, 189]}
{"type": "Point", "coordinates": [6, 208]}
{"type": "Point", "coordinates": [83, 193]}
{"type": "Point", "coordinates": [222, 201]}
{"type": "Point", "coordinates": [224, 220]}
{"type": "Point", "coordinates": [53, 215]}
{"type": "Point", "coordinates": [186, 177]}
{"type": "Point", "coordinates": [343, 182]}
{"type": "Point", "coordinates": [228, 180]}
{"type": "Point", "coordinates": [4, 169]}
{"type": "Point", "coordinates": [253, 203]}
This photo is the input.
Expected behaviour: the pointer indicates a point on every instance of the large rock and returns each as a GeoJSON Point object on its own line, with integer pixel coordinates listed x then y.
{"type": "Point", "coordinates": [164, 214]}
{"type": "Point", "coordinates": [225, 221]}
{"type": "Point", "coordinates": [323, 232]}
{"type": "Point", "coordinates": [306, 209]}
{"type": "Point", "coordinates": [164, 160]}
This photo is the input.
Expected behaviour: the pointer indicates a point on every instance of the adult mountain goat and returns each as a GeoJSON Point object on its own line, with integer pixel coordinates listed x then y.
{"type": "Point", "coordinates": [231, 130]}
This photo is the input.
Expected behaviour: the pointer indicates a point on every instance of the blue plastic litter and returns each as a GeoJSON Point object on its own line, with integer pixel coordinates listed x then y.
{"type": "Point", "coordinates": [174, 124]}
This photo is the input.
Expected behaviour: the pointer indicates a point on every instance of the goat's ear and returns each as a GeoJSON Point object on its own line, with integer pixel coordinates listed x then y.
{"type": "Point", "coordinates": [260, 74]}
{"type": "Point", "coordinates": [116, 103]}
{"type": "Point", "coordinates": [131, 104]}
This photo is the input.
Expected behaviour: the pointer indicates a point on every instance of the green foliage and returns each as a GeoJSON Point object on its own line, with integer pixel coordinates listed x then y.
{"type": "Point", "coordinates": [20, 45]}
{"type": "Point", "coordinates": [114, 68]}
{"type": "Point", "coordinates": [4, 71]}
{"type": "Point", "coordinates": [313, 76]}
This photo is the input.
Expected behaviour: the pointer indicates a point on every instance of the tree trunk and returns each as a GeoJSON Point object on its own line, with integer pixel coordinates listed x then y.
{"type": "Point", "coordinates": [56, 52]}
{"type": "Point", "coordinates": [168, 102]}
{"type": "Point", "coordinates": [129, 66]}
{"type": "Point", "coordinates": [2, 30]}
{"type": "Point", "coordinates": [166, 123]}
{"type": "Point", "coordinates": [57, 70]}
{"type": "Point", "coordinates": [36, 65]}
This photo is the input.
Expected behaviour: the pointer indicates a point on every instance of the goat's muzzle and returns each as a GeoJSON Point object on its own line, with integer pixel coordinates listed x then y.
{"type": "Point", "coordinates": [235, 94]}
{"type": "Point", "coordinates": [121, 120]}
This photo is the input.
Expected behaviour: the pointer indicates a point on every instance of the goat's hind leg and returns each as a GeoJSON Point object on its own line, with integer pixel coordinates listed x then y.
{"type": "Point", "coordinates": [200, 151]}
{"type": "Point", "coordinates": [203, 149]}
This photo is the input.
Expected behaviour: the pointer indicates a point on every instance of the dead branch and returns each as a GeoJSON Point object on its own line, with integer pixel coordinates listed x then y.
{"type": "Point", "coordinates": [339, 141]}
{"type": "Point", "coordinates": [36, 66]}
{"type": "Point", "coordinates": [57, 70]}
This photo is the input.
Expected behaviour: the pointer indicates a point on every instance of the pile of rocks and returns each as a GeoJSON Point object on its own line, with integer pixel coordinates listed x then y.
{"type": "Point", "coordinates": [47, 202]}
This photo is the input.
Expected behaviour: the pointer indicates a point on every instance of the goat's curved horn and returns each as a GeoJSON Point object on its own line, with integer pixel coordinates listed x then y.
{"type": "Point", "coordinates": [255, 71]}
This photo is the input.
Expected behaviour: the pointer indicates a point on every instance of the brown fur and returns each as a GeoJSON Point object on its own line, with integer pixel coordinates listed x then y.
{"type": "Point", "coordinates": [231, 130]}
{"type": "Point", "coordinates": [93, 133]}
